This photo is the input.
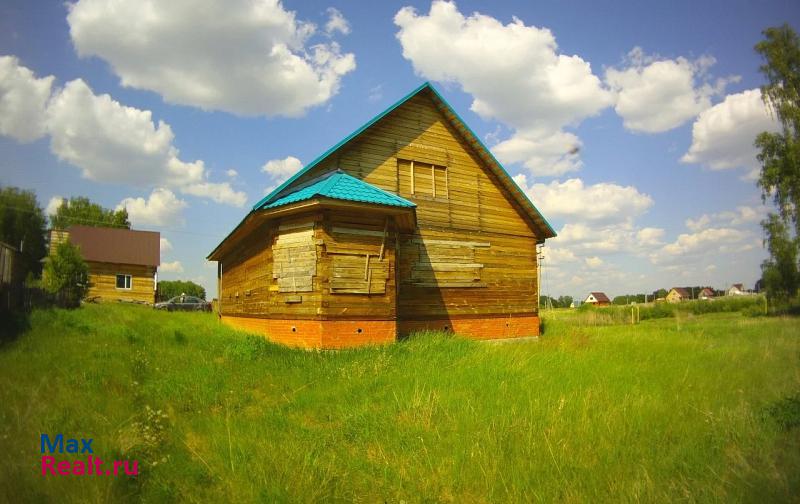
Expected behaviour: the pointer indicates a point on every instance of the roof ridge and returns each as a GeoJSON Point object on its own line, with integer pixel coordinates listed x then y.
{"type": "Point", "coordinates": [271, 196]}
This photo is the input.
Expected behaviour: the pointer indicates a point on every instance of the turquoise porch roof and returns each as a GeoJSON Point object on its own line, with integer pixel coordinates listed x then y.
{"type": "Point", "coordinates": [341, 186]}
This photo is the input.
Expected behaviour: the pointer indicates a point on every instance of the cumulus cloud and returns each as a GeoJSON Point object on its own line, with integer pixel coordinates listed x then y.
{"type": "Point", "coordinates": [515, 75]}
{"type": "Point", "coordinates": [594, 262]}
{"type": "Point", "coordinates": [723, 136]}
{"type": "Point", "coordinates": [110, 142]}
{"type": "Point", "coordinates": [113, 143]}
{"type": "Point", "coordinates": [654, 95]}
{"type": "Point", "coordinates": [161, 208]}
{"type": "Point", "coordinates": [336, 22]}
{"type": "Point", "coordinates": [53, 204]}
{"type": "Point", "coordinates": [279, 170]}
{"type": "Point", "coordinates": [23, 101]}
{"type": "Point", "coordinates": [707, 242]}
{"type": "Point", "coordinates": [741, 215]}
{"type": "Point", "coordinates": [597, 202]}
{"type": "Point", "coordinates": [247, 57]}
{"type": "Point", "coordinates": [171, 267]}
{"type": "Point", "coordinates": [231, 173]}
{"type": "Point", "coordinates": [165, 245]}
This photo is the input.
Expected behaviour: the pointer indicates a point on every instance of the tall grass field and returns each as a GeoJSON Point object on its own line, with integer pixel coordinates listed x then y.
{"type": "Point", "coordinates": [688, 408]}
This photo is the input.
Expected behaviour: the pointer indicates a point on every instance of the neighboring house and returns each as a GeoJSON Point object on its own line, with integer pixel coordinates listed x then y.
{"type": "Point", "coordinates": [678, 294]}
{"type": "Point", "coordinates": [737, 290]}
{"type": "Point", "coordinates": [123, 263]}
{"type": "Point", "coordinates": [706, 293]}
{"type": "Point", "coordinates": [407, 224]}
{"type": "Point", "coordinates": [597, 299]}
{"type": "Point", "coordinates": [11, 278]}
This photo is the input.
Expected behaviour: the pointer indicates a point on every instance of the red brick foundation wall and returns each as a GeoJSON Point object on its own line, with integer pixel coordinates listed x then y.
{"type": "Point", "coordinates": [318, 333]}
{"type": "Point", "coordinates": [353, 333]}
{"type": "Point", "coordinates": [478, 328]}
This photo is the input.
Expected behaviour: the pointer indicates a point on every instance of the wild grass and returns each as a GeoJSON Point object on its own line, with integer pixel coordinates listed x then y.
{"type": "Point", "coordinates": [697, 408]}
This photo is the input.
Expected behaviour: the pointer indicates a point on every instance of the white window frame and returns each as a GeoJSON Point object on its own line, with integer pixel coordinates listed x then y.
{"type": "Point", "coordinates": [128, 281]}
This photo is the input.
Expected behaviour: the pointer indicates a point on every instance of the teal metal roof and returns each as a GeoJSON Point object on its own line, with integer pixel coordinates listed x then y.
{"type": "Point", "coordinates": [341, 186]}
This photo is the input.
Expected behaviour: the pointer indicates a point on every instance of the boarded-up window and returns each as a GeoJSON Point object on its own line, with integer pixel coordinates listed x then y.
{"type": "Point", "coordinates": [446, 263]}
{"type": "Point", "coordinates": [294, 257]}
{"type": "Point", "coordinates": [359, 261]}
{"type": "Point", "coordinates": [422, 179]}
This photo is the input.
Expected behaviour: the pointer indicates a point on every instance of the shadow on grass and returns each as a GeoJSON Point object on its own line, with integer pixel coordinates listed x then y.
{"type": "Point", "coordinates": [12, 324]}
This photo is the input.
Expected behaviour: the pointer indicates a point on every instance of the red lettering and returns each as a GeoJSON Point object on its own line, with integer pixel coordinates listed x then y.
{"type": "Point", "coordinates": [64, 468]}
{"type": "Point", "coordinates": [47, 463]}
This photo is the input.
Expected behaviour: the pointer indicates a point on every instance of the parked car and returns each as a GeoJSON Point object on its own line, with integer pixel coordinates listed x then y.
{"type": "Point", "coordinates": [184, 303]}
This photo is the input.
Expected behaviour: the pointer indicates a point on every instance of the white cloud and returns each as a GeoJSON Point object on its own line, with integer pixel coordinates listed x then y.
{"type": "Point", "coordinates": [707, 242]}
{"type": "Point", "coordinates": [514, 74]}
{"type": "Point", "coordinates": [221, 192]}
{"type": "Point", "coordinates": [171, 267]}
{"type": "Point", "coordinates": [594, 262]}
{"type": "Point", "coordinates": [108, 141]}
{"type": "Point", "coordinates": [598, 202]}
{"type": "Point", "coordinates": [375, 93]}
{"type": "Point", "coordinates": [655, 95]}
{"type": "Point", "coordinates": [160, 209]}
{"type": "Point", "coordinates": [248, 57]}
{"type": "Point", "coordinates": [231, 173]}
{"type": "Point", "coordinates": [649, 236]}
{"type": "Point", "coordinates": [741, 215]}
{"type": "Point", "coordinates": [543, 153]}
{"type": "Point", "coordinates": [165, 244]}
{"type": "Point", "coordinates": [279, 170]}
{"type": "Point", "coordinates": [53, 204]}
{"type": "Point", "coordinates": [336, 22]}
{"type": "Point", "coordinates": [723, 136]}
{"type": "Point", "coordinates": [23, 101]}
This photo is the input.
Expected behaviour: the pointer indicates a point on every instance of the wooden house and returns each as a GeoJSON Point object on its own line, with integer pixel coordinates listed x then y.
{"type": "Point", "coordinates": [705, 294]}
{"type": "Point", "coordinates": [407, 224]}
{"type": "Point", "coordinates": [678, 294]}
{"type": "Point", "coordinates": [123, 263]}
{"type": "Point", "coordinates": [597, 299]}
{"type": "Point", "coordinates": [737, 289]}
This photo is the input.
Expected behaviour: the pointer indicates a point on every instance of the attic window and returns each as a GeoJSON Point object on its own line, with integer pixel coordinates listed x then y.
{"type": "Point", "coordinates": [423, 179]}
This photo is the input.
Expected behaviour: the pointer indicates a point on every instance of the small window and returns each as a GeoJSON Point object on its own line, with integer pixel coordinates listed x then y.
{"type": "Point", "coordinates": [124, 281]}
{"type": "Point", "coordinates": [423, 179]}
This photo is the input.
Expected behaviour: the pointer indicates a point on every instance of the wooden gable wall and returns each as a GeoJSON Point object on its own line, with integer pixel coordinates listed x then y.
{"type": "Point", "coordinates": [437, 277]}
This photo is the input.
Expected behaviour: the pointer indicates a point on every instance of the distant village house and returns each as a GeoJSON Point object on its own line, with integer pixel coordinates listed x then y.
{"type": "Point", "coordinates": [597, 299]}
{"type": "Point", "coordinates": [123, 263]}
{"type": "Point", "coordinates": [706, 294]}
{"type": "Point", "coordinates": [678, 294]}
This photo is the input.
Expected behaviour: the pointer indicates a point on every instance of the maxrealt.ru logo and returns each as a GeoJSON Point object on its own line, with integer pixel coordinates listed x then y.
{"type": "Point", "coordinates": [78, 467]}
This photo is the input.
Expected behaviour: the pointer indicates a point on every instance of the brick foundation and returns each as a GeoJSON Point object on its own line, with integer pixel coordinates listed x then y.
{"type": "Point", "coordinates": [353, 333]}
{"type": "Point", "coordinates": [318, 333]}
{"type": "Point", "coordinates": [483, 328]}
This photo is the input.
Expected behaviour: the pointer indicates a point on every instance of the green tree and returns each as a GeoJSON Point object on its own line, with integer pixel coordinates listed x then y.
{"type": "Point", "coordinates": [66, 274]}
{"type": "Point", "coordinates": [22, 225]}
{"type": "Point", "coordinates": [80, 210]}
{"type": "Point", "coordinates": [168, 289]}
{"type": "Point", "coordinates": [780, 159]}
{"type": "Point", "coordinates": [781, 277]}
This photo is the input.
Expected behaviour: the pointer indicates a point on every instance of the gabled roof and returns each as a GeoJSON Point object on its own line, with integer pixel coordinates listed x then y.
{"type": "Point", "coordinates": [341, 186]}
{"type": "Point", "coordinates": [115, 245]}
{"type": "Point", "coordinates": [682, 292]}
{"type": "Point", "coordinates": [600, 297]}
{"type": "Point", "coordinates": [540, 224]}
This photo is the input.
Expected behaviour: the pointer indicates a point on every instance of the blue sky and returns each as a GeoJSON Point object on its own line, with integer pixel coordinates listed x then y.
{"type": "Point", "coordinates": [630, 125]}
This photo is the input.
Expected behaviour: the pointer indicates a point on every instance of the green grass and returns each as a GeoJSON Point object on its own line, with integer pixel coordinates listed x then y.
{"type": "Point", "coordinates": [690, 408]}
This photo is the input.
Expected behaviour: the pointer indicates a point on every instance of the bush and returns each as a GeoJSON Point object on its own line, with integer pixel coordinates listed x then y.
{"type": "Point", "coordinates": [66, 275]}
